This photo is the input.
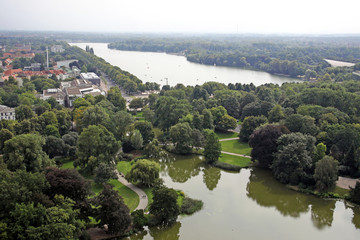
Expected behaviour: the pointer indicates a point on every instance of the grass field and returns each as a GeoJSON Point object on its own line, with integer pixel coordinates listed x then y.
{"type": "Point", "coordinates": [130, 198]}
{"type": "Point", "coordinates": [224, 135]}
{"type": "Point", "coordinates": [124, 167]}
{"type": "Point", "coordinates": [235, 160]}
{"type": "Point", "coordinates": [235, 146]}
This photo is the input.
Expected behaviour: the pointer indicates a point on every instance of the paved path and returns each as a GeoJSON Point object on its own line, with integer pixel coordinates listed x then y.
{"type": "Point", "coordinates": [228, 139]}
{"type": "Point", "coordinates": [235, 154]}
{"type": "Point", "coordinates": [142, 195]}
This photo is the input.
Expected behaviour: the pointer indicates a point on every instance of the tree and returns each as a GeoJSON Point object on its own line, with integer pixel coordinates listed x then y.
{"type": "Point", "coordinates": [67, 182]}
{"type": "Point", "coordinates": [115, 97]}
{"type": "Point", "coordinates": [326, 173]}
{"type": "Point", "coordinates": [138, 219]}
{"type": "Point", "coordinates": [54, 146]}
{"type": "Point", "coordinates": [136, 103]}
{"type": "Point", "coordinates": [152, 149]}
{"type": "Point", "coordinates": [264, 143]}
{"type": "Point", "coordinates": [25, 152]}
{"type": "Point", "coordinates": [293, 161]}
{"type": "Point", "coordinates": [136, 139]}
{"type": "Point", "coordinates": [180, 135]}
{"type": "Point", "coordinates": [320, 152]}
{"type": "Point", "coordinates": [51, 130]}
{"type": "Point", "coordinates": [276, 114]}
{"type": "Point", "coordinates": [111, 210]}
{"type": "Point", "coordinates": [198, 139]}
{"type": "Point", "coordinates": [146, 131]}
{"type": "Point", "coordinates": [212, 149]}
{"type": "Point", "coordinates": [355, 193]}
{"type": "Point", "coordinates": [23, 112]}
{"type": "Point", "coordinates": [208, 120]}
{"type": "Point", "coordinates": [95, 144]}
{"type": "Point", "coordinates": [300, 123]}
{"type": "Point", "coordinates": [145, 172]}
{"type": "Point", "coordinates": [249, 125]}
{"type": "Point", "coordinates": [104, 172]}
{"type": "Point", "coordinates": [226, 122]}
{"type": "Point", "coordinates": [164, 206]}
{"type": "Point", "coordinates": [5, 135]}
{"type": "Point", "coordinates": [94, 116]}
{"type": "Point", "coordinates": [120, 122]}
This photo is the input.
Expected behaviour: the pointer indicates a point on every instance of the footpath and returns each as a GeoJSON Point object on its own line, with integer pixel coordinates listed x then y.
{"type": "Point", "coordinates": [143, 200]}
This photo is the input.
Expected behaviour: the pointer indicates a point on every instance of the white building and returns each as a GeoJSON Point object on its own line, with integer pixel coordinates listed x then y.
{"type": "Point", "coordinates": [57, 49]}
{"type": "Point", "coordinates": [56, 93]}
{"type": "Point", "coordinates": [91, 77]}
{"type": "Point", "coordinates": [7, 113]}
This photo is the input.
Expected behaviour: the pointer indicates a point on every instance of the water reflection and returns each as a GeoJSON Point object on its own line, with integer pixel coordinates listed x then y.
{"type": "Point", "coordinates": [211, 177]}
{"type": "Point", "coordinates": [356, 214]}
{"type": "Point", "coordinates": [166, 233]}
{"type": "Point", "coordinates": [267, 192]}
{"type": "Point", "coordinates": [322, 214]}
{"type": "Point", "coordinates": [181, 168]}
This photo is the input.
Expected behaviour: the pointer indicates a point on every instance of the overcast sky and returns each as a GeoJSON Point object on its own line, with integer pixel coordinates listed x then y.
{"type": "Point", "coordinates": [221, 16]}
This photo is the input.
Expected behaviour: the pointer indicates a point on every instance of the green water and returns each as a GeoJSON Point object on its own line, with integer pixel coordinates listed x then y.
{"type": "Point", "coordinates": [249, 205]}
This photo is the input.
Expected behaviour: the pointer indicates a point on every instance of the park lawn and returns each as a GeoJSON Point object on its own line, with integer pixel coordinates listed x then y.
{"type": "Point", "coordinates": [139, 115]}
{"type": "Point", "coordinates": [149, 195]}
{"type": "Point", "coordinates": [224, 135]}
{"type": "Point", "coordinates": [235, 160]}
{"type": "Point", "coordinates": [235, 146]}
{"type": "Point", "coordinates": [341, 191]}
{"type": "Point", "coordinates": [124, 167]}
{"type": "Point", "coordinates": [131, 199]}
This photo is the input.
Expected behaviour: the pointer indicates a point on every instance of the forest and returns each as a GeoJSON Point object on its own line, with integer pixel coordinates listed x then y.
{"type": "Point", "coordinates": [306, 134]}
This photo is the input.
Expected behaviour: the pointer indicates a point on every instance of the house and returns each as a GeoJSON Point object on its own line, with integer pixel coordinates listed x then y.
{"type": "Point", "coordinates": [91, 77]}
{"type": "Point", "coordinates": [76, 71]}
{"type": "Point", "coordinates": [35, 66]}
{"type": "Point", "coordinates": [7, 113]}
{"type": "Point", "coordinates": [56, 93]}
{"type": "Point", "coordinates": [57, 49]}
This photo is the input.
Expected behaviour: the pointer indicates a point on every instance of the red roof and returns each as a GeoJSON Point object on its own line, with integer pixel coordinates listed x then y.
{"type": "Point", "coordinates": [12, 72]}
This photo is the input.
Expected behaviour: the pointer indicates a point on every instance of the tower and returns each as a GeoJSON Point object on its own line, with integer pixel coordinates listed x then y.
{"type": "Point", "coordinates": [47, 58]}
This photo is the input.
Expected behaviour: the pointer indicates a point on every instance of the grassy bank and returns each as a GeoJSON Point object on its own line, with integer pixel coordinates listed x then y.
{"type": "Point", "coordinates": [235, 146]}
{"type": "Point", "coordinates": [235, 160]}
{"type": "Point", "coordinates": [130, 198]}
{"type": "Point", "coordinates": [224, 135]}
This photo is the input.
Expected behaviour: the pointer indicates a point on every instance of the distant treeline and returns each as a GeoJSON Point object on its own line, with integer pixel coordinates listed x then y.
{"type": "Point", "coordinates": [279, 55]}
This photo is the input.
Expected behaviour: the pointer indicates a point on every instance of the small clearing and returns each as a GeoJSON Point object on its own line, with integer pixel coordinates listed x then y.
{"type": "Point", "coordinates": [346, 183]}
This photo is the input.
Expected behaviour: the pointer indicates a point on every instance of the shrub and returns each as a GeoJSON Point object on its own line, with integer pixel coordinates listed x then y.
{"type": "Point", "coordinates": [190, 206]}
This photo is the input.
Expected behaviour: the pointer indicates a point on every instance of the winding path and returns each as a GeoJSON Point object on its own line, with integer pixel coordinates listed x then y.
{"type": "Point", "coordinates": [143, 200]}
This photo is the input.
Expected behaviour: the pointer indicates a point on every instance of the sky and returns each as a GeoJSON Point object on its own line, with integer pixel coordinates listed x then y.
{"type": "Point", "coordinates": [184, 16]}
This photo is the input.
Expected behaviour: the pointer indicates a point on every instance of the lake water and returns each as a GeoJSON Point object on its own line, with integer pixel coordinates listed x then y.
{"type": "Point", "coordinates": [156, 67]}
{"type": "Point", "coordinates": [249, 205]}
{"type": "Point", "coordinates": [246, 205]}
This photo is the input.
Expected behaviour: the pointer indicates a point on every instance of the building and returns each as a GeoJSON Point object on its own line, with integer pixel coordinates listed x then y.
{"type": "Point", "coordinates": [75, 92]}
{"type": "Point", "coordinates": [56, 93]}
{"type": "Point", "coordinates": [76, 71]}
{"type": "Point", "coordinates": [91, 77]}
{"type": "Point", "coordinates": [57, 49]}
{"type": "Point", "coordinates": [7, 113]}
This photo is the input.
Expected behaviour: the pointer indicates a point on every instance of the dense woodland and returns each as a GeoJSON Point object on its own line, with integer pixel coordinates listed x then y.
{"type": "Point", "coordinates": [306, 133]}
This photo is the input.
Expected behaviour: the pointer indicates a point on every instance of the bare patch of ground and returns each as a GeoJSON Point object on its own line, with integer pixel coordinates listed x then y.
{"type": "Point", "coordinates": [346, 183]}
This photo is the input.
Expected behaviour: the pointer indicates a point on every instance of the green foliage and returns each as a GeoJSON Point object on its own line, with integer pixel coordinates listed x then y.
{"type": "Point", "coordinates": [146, 131]}
{"type": "Point", "coordinates": [212, 149]}
{"type": "Point", "coordinates": [276, 114]}
{"type": "Point", "coordinates": [190, 206]}
{"type": "Point", "coordinates": [164, 206]}
{"type": "Point", "coordinates": [145, 172]}
{"type": "Point", "coordinates": [95, 144]}
{"type": "Point", "coordinates": [136, 139]}
{"type": "Point", "coordinates": [115, 97]}
{"type": "Point", "coordinates": [112, 211]}
{"type": "Point", "coordinates": [138, 219]}
{"type": "Point", "coordinates": [264, 143]}
{"type": "Point", "coordinates": [249, 125]}
{"type": "Point", "coordinates": [25, 152]}
{"type": "Point", "coordinates": [320, 152]}
{"type": "Point", "coordinates": [5, 135]}
{"type": "Point", "coordinates": [23, 112]}
{"type": "Point", "coordinates": [152, 149]}
{"type": "Point", "coordinates": [293, 158]}
{"type": "Point", "coordinates": [104, 172]}
{"type": "Point", "coordinates": [180, 135]}
{"type": "Point", "coordinates": [355, 193]}
{"type": "Point", "coordinates": [326, 173]}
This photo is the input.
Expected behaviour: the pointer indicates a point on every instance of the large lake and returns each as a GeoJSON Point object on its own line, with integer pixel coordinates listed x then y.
{"type": "Point", "coordinates": [156, 67]}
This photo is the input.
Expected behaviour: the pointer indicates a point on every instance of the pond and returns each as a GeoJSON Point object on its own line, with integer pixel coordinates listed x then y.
{"type": "Point", "coordinates": [250, 204]}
